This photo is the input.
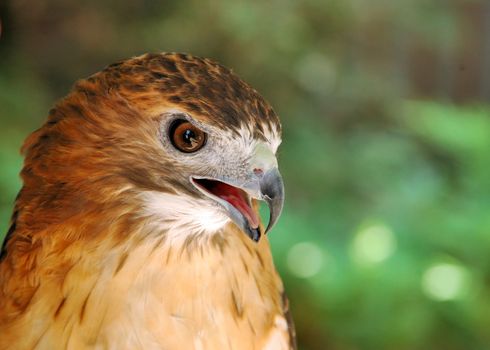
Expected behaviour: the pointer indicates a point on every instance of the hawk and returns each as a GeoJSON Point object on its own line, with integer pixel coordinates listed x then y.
{"type": "Point", "coordinates": [137, 225]}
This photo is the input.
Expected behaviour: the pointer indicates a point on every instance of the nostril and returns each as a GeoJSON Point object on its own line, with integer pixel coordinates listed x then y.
{"type": "Point", "coordinates": [258, 171]}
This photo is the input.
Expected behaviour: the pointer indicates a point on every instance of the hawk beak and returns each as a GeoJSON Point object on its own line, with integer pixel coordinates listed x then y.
{"type": "Point", "coordinates": [272, 191]}
{"type": "Point", "coordinates": [265, 183]}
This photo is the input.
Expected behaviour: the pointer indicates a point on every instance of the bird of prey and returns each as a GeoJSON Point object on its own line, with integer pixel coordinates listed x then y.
{"type": "Point", "coordinates": [137, 224]}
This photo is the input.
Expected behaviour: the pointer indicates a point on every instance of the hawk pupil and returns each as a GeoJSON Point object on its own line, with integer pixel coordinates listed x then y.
{"type": "Point", "coordinates": [189, 136]}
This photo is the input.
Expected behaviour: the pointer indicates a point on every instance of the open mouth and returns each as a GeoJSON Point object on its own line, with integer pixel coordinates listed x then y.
{"type": "Point", "coordinates": [232, 195]}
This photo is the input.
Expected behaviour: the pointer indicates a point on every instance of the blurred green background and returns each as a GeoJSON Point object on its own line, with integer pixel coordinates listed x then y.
{"type": "Point", "coordinates": [385, 239]}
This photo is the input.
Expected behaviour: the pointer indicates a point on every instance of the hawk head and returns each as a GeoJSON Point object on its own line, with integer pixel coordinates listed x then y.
{"type": "Point", "coordinates": [177, 140]}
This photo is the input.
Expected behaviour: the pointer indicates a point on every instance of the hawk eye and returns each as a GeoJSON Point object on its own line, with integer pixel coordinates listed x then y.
{"type": "Point", "coordinates": [186, 137]}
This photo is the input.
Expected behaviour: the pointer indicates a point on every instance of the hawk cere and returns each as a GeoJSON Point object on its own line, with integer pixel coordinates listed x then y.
{"type": "Point", "coordinates": [137, 225]}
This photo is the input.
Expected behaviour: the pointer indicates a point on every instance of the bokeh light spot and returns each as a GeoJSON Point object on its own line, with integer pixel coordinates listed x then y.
{"type": "Point", "coordinates": [373, 244]}
{"type": "Point", "coordinates": [305, 259]}
{"type": "Point", "coordinates": [444, 281]}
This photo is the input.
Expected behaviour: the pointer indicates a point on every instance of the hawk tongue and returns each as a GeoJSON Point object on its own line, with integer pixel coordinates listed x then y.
{"type": "Point", "coordinates": [238, 199]}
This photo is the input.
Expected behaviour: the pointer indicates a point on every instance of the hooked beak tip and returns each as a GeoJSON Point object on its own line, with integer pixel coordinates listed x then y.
{"type": "Point", "coordinates": [272, 191]}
